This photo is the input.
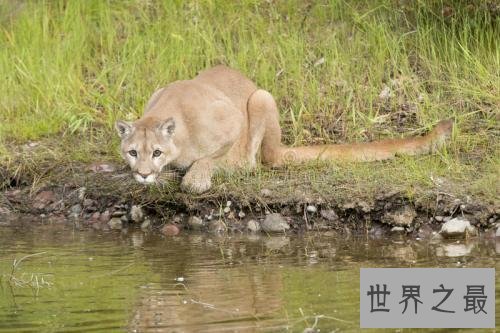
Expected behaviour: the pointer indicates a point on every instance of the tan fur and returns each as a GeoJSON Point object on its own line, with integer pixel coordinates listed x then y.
{"type": "Point", "coordinates": [221, 119]}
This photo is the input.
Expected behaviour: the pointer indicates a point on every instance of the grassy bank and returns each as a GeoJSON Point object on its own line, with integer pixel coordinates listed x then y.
{"type": "Point", "coordinates": [340, 70]}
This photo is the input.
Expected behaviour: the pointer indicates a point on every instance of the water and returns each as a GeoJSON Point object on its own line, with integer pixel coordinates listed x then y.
{"type": "Point", "coordinates": [96, 281]}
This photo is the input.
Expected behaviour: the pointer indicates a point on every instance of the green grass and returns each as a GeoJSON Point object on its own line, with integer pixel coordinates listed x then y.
{"type": "Point", "coordinates": [71, 68]}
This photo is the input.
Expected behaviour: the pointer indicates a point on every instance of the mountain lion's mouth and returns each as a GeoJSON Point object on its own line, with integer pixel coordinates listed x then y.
{"type": "Point", "coordinates": [150, 179]}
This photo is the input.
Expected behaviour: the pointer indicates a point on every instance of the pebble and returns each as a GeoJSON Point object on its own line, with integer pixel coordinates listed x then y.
{"type": "Point", "coordinates": [457, 227]}
{"type": "Point", "coordinates": [95, 217]}
{"type": "Point", "coordinates": [136, 214]}
{"type": "Point", "coordinates": [227, 209]}
{"type": "Point", "coordinates": [329, 214]}
{"type": "Point", "coordinates": [146, 224]}
{"type": "Point", "coordinates": [253, 226]}
{"type": "Point", "coordinates": [312, 209]}
{"type": "Point", "coordinates": [398, 229]}
{"type": "Point", "coordinates": [115, 223]}
{"type": "Point", "coordinates": [401, 217]}
{"type": "Point", "coordinates": [118, 213]}
{"type": "Point", "coordinates": [170, 230]}
{"type": "Point", "coordinates": [241, 214]}
{"type": "Point", "coordinates": [76, 210]}
{"type": "Point", "coordinates": [105, 216]}
{"type": "Point", "coordinates": [274, 223]}
{"type": "Point", "coordinates": [43, 198]}
{"type": "Point", "coordinates": [195, 223]}
{"type": "Point", "coordinates": [439, 218]}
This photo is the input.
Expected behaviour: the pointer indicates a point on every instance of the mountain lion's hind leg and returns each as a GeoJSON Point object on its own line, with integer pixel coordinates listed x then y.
{"type": "Point", "coordinates": [264, 128]}
{"type": "Point", "coordinates": [198, 179]}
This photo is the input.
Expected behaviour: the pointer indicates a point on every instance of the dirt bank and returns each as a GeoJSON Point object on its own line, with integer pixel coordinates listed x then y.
{"type": "Point", "coordinates": [104, 196]}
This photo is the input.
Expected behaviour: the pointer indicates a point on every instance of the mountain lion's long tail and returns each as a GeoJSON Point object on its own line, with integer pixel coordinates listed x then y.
{"type": "Point", "coordinates": [370, 151]}
{"type": "Point", "coordinates": [264, 125]}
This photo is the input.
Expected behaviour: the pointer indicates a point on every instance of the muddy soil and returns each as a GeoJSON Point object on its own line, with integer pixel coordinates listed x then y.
{"type": "Point", "coordinates": [102, 197]}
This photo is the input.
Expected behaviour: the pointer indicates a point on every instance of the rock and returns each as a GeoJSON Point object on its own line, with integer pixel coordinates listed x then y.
{"type": "Point", "coordinates": [311, 209]}
{"type": "Point", "coordinates": [118, 213]}
{"type": "Point", "coordinates": [146, 224]}
{"type": "Point", "coordinates": [329, 214]}
{"type": "Point", "coordinates": [170, 230]}
{"type": "Point", "coordinates": [88, 203]}
{"type": "Point", "coordinates": [457, 227]}
{"type": "Point", "coordinates": [217, 227]}
{"type": "Point", "coordinates": [253, 226]}
{"type": "Point", "coordinates": [401, 217]}
{"type": "Point", "coordinates": [195, 223]}
{"type": "Point", "coordinates": [76, 210]}
{"type": "Point", "coordinates": [94, 217]}
{"type": "Point", "coordinates": [398, 229]}
{"type": "Point", "coordinates": [266, 192]}
{"type": "Point", "coordinates": [228, 204]}
{"type": "Point", "coordinates": [81, 193]}
{"type": "Point", "coordinates": [105, 216]}
{"type": "Point", "coordinates": [136, 214]}
{"type": "Point", "coordinates": [227, 209]}
{"type": "Point", "coordinates": [4, 211]}
{"type": "Point", "coordinates": [439, 218]}
{"type": "Point", "coordinates": [241, 214]}
{"type": "Point", "coordinates": [43, 199]}
{"type": "Point", "coordinates": [115, 223]}
{"type": "Point", "coordinates": [274, 223]}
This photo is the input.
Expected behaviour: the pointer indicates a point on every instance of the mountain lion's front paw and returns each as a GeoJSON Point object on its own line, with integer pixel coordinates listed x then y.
{"type": "Point", "coordinates": [196, 183]}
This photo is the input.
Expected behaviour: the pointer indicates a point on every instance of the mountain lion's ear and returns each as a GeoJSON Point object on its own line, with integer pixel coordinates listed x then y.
{"type": "Point", "coordinates": [167, 128]}
{"type": "Point", "coordinates": [123, 128]}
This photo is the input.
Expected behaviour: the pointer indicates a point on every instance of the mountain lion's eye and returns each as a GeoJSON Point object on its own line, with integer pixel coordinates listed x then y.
{"type": "Point", "coordinates": [133, 153]}
{"type": "Point", "coordinates": [156, 153]}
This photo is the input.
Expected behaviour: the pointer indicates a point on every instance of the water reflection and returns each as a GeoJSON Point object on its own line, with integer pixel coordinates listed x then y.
{"type": "Point", "coordinates": [147, 283]}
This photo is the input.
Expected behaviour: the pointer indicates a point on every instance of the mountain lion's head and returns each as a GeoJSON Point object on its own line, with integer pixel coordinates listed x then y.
{"type": "Point", "coordinates": [147, 146]}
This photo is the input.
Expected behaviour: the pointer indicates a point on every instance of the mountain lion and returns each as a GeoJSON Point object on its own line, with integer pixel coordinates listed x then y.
{"type": "Point", "coordinates": [221, 119]}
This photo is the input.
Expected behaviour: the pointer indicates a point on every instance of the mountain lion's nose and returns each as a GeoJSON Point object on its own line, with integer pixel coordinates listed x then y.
{"type": "Point", "coordinates": [144, 175]}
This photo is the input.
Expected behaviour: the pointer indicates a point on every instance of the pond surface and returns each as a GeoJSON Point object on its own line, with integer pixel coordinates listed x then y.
{"type": "Point", "coordinates": [95, 281]}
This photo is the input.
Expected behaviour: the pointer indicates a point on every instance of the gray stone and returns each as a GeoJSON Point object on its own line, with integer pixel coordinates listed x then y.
{"type": "Point", "coordinates": [105, 216]}
{"type": "Point", "coordinates": [76, 210]}
{"type": "Point", "coordinates": [253, 226]}
{"type": "Point", "coordinates": [401, 217]}
{"type": "Point", "coordinates": [43, 199]}
{"type": "Point", "coordinates": [329, 214]}
{"type": "Point", "coordinates": [88, 203]}
{"type": "Point", "coordinates": [398, 229]}
{"type": "Point", "coordinates": [118, 213]}
{"type": "Point", "coordinates": [457, 227]}
{"type": "Point", "coordinates": [311, 209]}
{"type": "Point", "coordinates": [146, 224]}
{"type": "Point", "coordinates": [115, 223]}
{"type": "Point", "coordinates": [439, 218]}
{"type": "Point", "coordinates": [136, 214]}
{"type": "Point", "coordinates": [195, 223]}
{"type": "Point", "coordinates": [275, 223]}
